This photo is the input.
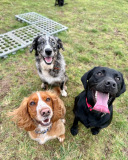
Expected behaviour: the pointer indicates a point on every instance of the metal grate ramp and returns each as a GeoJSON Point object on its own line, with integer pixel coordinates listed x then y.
{"type": "Point", "coordinates": [17, 39]}
{"type": "Point", "coordinates": [20, 38]}
{"type": "Point", "coordinates": [46, 24]}
{"type": "Point", "coordinates": [9, 44]}
{"type": "Point", "coordinates": [30, 18]}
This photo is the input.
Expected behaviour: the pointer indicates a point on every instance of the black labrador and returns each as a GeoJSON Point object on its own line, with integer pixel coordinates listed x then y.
{"type": "Point", "coordinates": [60, 3]}
{"type": "Point", "coordinates": [93, 107]}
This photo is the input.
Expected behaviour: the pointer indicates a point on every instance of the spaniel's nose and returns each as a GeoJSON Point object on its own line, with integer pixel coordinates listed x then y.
{"type": "Point", "coordinates": [45, 112]}
{"type": "Point", "coordinates": [48, 51]}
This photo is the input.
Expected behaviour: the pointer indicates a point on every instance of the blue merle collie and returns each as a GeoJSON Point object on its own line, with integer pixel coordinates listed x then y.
{"type": "Point", "coordinates": [50, 62]}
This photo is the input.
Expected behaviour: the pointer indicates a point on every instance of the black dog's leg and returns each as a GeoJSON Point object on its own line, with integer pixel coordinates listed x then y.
{"type": "Point", "coordinates": [56, 2]}
{"type": "Point", "coordinates": [74, 128]}
{"type": "Point", "coordinates": [95, 130]}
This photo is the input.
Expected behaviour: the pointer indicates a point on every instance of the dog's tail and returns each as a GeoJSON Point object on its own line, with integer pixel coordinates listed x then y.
{"type": "Point", "coordinates": [57, 91]}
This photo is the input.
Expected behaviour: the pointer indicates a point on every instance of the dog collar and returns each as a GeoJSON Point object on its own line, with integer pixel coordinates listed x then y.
{"type": "Point", "coordinates": [88, 105]}
{"type": "Point", "coordinates": [56, 68]}
{"type": "Point", "coordinates": [44, 131]}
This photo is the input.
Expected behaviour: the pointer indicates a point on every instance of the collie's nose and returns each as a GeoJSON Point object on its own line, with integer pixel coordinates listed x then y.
{"type": "Point", "coordinates": [45, 112]}
{"type": "Point", "coordinates": [48, 51]}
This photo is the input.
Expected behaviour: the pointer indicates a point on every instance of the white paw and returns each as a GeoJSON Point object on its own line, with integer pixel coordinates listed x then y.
{"type": "Point", "coordinates": [63, 120]}
{"type": "Point", "coordinates": [41, 142]}
{"type": "Point", "coordinates": [42, 85]}
{"type": "Point", "coordinates": [60, 139]}
{"type": "Point", "coordinates": [64, 93]}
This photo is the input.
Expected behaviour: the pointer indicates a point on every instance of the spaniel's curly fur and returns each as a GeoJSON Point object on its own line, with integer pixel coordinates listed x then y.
{"type": "Point", "coordinates": [38, 108]}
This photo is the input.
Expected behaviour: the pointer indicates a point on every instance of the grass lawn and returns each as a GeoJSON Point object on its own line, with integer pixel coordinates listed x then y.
{"type": "Point", "coordinates": [97, 36]}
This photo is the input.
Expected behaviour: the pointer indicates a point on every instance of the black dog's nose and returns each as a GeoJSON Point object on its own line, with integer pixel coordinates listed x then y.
{"type": "Point", "coordinates": [48, 51]}
{"type": "Point", "coordinates": [110, 83]}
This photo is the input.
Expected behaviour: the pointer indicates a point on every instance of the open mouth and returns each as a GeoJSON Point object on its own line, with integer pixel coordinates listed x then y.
{"type": "Point", "coordinates": [45, 122]}
{"type": "Point", "coordinates": [101, 100]}
{"type": "Point", "coordinates": [48, 60]}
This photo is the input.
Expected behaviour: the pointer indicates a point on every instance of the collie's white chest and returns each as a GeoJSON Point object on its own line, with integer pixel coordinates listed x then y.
{"type": "Point", "coordinates": [45, 76]}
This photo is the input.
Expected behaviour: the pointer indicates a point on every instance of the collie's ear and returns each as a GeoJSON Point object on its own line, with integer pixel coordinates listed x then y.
{"type": "Point", "coordinates": [59, 110]}
{"type": "Point", "coordinates": [86, 77]}
{"type": "Point", "coordinates": [59, 43]}
{"type": "Point", "coordinates": [21, 116]}
{"type": "Point", "coordinates": [34, 44]}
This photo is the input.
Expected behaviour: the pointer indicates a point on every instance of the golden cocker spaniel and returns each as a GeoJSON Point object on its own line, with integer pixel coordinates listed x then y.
{"type": "Point", "coordinates": [42, 115]}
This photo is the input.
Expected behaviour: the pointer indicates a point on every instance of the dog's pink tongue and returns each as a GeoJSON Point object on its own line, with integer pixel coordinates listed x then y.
{"type": "Point", "coordinates": [101, 104]}
{"type": "Point", "coordinates": [48, 59]}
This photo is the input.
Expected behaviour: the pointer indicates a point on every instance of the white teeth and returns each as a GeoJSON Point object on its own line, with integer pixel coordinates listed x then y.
{"type": "Point", "coordinates": [96, 95]}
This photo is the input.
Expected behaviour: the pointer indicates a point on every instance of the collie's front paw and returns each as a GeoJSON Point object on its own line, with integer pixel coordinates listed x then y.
{"type": "Point", "coordinates": [64, 93]}
{"type": "Point", "coordinates": [44, 86]}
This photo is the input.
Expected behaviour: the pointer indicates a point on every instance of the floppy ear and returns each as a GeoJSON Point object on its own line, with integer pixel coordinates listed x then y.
{"type": "Point", "coordinates": [86, 77]}
{"type": "Point", "coordinates": [59, 43]}
{"type": "Point", "coordinates": [59, 110]}
{"type": "Point", "coordinates": [34, 44]}
{"type": "Point", "coordinates": [123, 87]}
{"type": "Point", "coordinates": [21, 116]}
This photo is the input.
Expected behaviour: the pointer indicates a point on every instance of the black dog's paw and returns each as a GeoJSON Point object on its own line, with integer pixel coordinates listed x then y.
{"type": "Point", "coordinates": [74, 131]}
{"type": "Point", "coordinates": [95, 131]}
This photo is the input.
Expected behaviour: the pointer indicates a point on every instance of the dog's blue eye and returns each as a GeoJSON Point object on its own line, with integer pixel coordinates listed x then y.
{"type": "Point", "coordinates": [32, 103]}
{"type": "Point", "coordinates": [53, 43]}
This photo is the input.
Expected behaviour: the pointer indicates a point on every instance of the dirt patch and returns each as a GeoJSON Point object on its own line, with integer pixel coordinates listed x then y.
{"type": "Point", "coordinates": [5, 86]}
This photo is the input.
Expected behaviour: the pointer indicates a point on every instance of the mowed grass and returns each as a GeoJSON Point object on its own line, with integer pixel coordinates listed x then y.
{"type": "Point", "coordinates": [97, 36]}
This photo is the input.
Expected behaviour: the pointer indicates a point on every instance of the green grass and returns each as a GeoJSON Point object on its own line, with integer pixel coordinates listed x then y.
{"type": "Point", "coordinates": [97, 36]}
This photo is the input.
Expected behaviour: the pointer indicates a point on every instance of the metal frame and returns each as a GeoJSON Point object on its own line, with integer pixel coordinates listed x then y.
{"type": "Point", "coordinates": [47, 25]}
{"type": "Point", "coordinates": [20, 38]}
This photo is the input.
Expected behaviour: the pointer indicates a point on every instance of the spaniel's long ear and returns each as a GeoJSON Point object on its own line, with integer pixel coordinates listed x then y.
{"type": "Point", "coordinates": [59, 110]}
{"type": "Point", "coordinates": [59, 43]}
{"type": "Point", "coordinates": [86, 77]}
{"type": "Point", "coordinates": [21, 116]}
{"type": "Point", "coordinates": [123, 87]}
{"type": "Point", "coordinates": [34, 44]}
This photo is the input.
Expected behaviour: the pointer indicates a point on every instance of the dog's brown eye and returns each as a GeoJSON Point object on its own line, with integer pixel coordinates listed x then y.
{"type": "Point", "coordinates": [48, 99]}
{"type": "Point", "coordinates": [32, 103]}
{"type": "Point", "coordinates": [99, 73]}
{"type": "Point", "coordinates": [117, 78]}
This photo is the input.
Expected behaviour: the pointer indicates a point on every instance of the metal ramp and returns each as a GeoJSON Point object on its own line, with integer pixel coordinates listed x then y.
{"type": "Point", "coordinates": [46, 24]}
{"type": "Point", "coordinates": [20, 38]}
